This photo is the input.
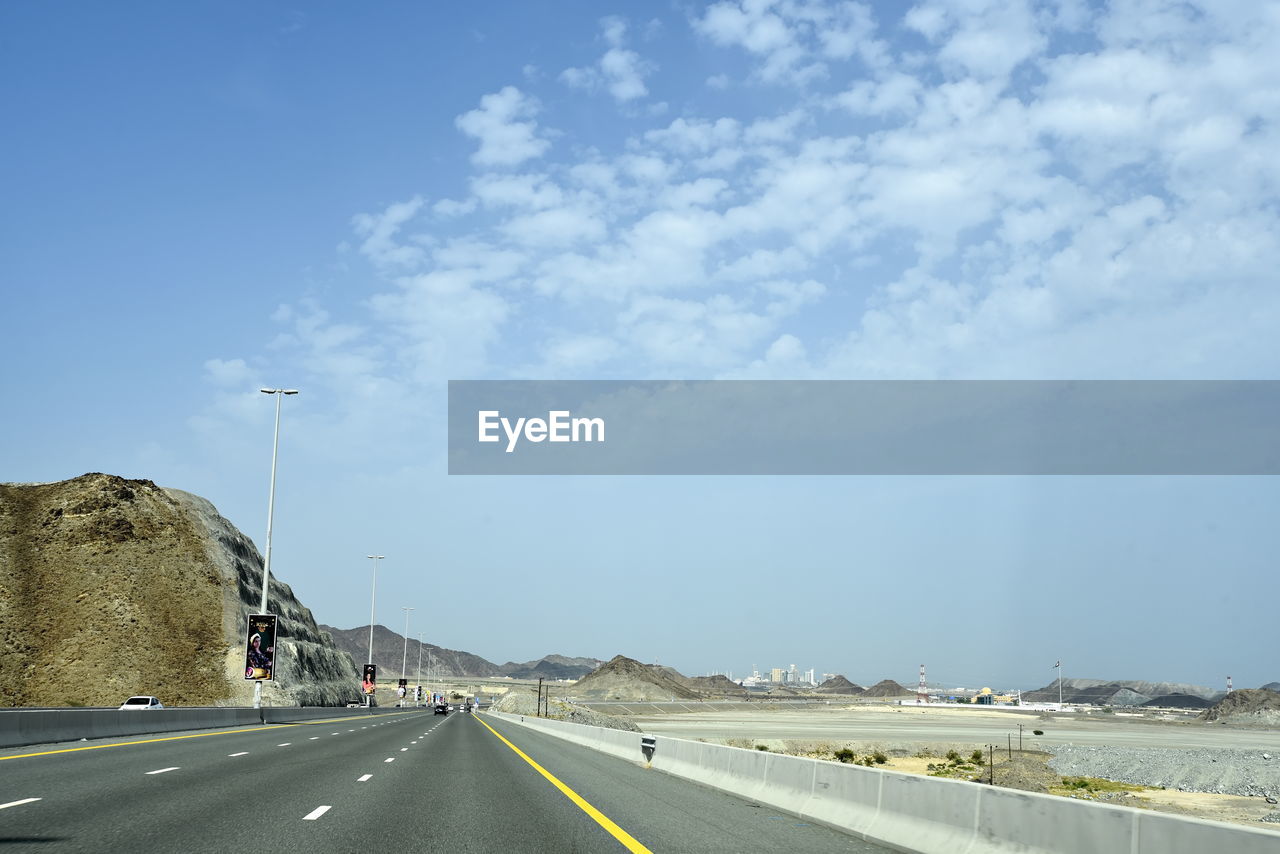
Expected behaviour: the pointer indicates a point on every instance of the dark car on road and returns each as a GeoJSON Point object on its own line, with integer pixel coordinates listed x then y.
{"type": "Point", "coordinates": [442, 708]}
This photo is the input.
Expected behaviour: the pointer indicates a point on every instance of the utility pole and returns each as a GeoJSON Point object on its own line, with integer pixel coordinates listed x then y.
{"type": "Point", "coordinates": [539, 714]}
{"type": "Point", "coordinates": [418, 693]}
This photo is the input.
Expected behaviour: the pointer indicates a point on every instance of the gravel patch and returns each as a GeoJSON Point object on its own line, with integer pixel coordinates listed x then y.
{"type": "Point", "coordinates": [1219, 771]}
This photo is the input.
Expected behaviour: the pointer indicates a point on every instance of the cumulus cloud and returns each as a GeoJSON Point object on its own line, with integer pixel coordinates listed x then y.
{"type": "Point", "coordinates": [505, 140]}
{"type": "Point", "coordinates": [620, 72]}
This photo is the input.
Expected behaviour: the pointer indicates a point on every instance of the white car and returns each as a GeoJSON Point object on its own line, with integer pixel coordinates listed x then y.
{"type": "Point", "coordinates": [141, 703]}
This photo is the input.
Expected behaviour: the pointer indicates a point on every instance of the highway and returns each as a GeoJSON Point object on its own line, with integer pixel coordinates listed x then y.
{"type": "Point", "coordinates": [396, 781]}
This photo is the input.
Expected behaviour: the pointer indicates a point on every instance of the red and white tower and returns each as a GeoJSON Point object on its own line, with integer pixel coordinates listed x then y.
{"type": "Point", "coordinates": [1228, 684]}
{"type": "Point", "coordinates": [922, 692]}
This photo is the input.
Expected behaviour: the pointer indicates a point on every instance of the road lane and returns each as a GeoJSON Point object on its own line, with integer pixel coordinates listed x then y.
{"type": "Point", "coordinates": [450, 783]}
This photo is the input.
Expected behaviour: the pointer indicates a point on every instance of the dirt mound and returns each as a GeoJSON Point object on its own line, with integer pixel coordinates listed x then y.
{"type": "Point", "coordinates": [840, 685]}
{"type": "Point", "coordinates": [718, 685]}
{"type": "Point", "coordinates": [671, 672]}
{"type": "Point", "coordinates": [887, 688]}
{"type": "Point", "coordinates": [624, 678]}
{"type": "Point", "coordinates": [111, 587]}
{"type": "Point", "coordinates": [1179, 701]}
{"type": "Point", "coordinates": [1246, 705]}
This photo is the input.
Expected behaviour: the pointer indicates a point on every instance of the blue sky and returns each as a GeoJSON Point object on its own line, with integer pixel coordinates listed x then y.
{"type": "Point", "coordinates": [205, 198]}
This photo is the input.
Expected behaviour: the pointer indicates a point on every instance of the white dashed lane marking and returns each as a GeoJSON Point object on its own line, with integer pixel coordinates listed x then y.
{"type": "Point", "coordinates": [18, 803]}
{"type": "Point", "coordinates": [316, 813]}
{"type": "Point", "coordinates": [241, 753]}
{"type": "Point", "coordinates": [162, 770]}
{"type": "Point", "coordinates": [286, 744]}
{"type": "Point", "coordinates": [365, 778]}
{"type": "Point", "coordinates": [392, 759]}
{"type": "Point", "coordinates": [403, 749]}
{"type": "Point", "coordinates": [313, 738]}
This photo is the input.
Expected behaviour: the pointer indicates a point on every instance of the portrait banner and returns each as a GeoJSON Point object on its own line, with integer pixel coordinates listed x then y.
{"type": "Point", "coordinates": [260, 648]}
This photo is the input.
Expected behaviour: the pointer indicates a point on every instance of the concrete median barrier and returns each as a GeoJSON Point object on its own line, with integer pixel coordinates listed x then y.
{"type": "Point", "coordinates": [21, 727]}
{"type": "Point", "coordinates": [910, 812]}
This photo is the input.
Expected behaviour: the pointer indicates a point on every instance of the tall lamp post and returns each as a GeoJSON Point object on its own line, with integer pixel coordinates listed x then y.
{"type": "Point", "coordinates": [404, 658]}
{"type": "Point", "coordinates": [271, 506]}
{"type": "Point", "coordinates": [418, 688]}
{"type": "Point", "coordinates": [373, 602]}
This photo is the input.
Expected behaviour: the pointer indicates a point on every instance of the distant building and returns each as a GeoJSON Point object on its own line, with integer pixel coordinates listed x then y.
{"type": "Point", "coordinates": [777, 676]}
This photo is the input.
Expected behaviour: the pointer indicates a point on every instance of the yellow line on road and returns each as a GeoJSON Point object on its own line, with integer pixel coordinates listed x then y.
{"type": "Point", "coordinates": [179, 737]}
{"type": "Point", "coordinates": [600, 818]}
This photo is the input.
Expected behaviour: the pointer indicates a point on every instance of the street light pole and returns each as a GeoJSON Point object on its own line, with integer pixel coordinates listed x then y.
{"type": "Point", "coordinates": [373, 602]}
{"type": "Point", "coordinates": [271, 506]}
{"type": "Point", "coordinates": [404, 658]}
{"type": "Point", "coordinates": [418, 686]}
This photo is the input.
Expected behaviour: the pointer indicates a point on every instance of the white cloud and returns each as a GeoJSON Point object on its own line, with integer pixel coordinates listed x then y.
{"type": "Point", "coordinates": [504, 139]}
{"type": "Point", "coordinates": [379, 232]}
{"type": "Point", "coordinates": [621, 72]}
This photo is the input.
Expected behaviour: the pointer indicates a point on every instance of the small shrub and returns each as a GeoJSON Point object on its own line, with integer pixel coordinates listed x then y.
{"type": "Point", "coordinates": [844, 754]}
{"type": "Point", "coordinates": [953, 756]}
{"type": "Point", "coordinates": [976, 757]}
{"type": "Point", "coordinates": [1037, 732]}
{"type": "Point", "coordinates": [880, 758]}
{"type": "Point", "coordinates": [763, 747]}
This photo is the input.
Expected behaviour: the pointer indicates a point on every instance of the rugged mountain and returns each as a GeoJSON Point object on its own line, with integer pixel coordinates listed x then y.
{"type": "Point", "coordinates": [1271, 686]}
{"type": "Point", "coordinates": [111, 587]}
{"type": "Point", "coordinates": [623, 678]}
{"type": "Point", "coordinates": [551, 667]}
{"type": "Point", "coordinates": [839, 685]}
{"type": "Point", "coordinates": [1246, 706]}
{"type": "Point", "coordinates": [390, 651]}
{"type": "Point", "coordinates": [1129, 692]}
{"type": "Point", "coordinates": [887, 688]}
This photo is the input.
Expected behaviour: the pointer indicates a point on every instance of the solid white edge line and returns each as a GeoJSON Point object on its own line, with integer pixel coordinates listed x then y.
{"type": "Point", "coordinates": [162, 770]}
{"type": "Point", "coordinates": [316, 813]}
{"type": "Point", "coordinates": [18, 803]}
{"type": "Point", "coordinates": [241, 753]}
{"type": "Point", "coordinates": [365, 778]}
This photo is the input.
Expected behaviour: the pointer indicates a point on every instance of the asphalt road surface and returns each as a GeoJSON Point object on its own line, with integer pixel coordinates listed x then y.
{"type": "Point", "coordinates": [396, 781]}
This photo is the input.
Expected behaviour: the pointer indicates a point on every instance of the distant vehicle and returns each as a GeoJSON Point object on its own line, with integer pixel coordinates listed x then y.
{"type": "Point", "coordinates": [464, 707]}
{"type": "Point", "coordinates": [442, 708]}
{"type": "Point", "coordinates": [141, 703]}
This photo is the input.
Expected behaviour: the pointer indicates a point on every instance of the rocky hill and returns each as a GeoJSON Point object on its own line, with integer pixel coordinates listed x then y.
{"type": "Point", "coordinates": [1127, 692]}
{"type": "Point", "coordinates": [840, 685]}
{"type": "Point", "coordinates": [1272, 686]}
{"type": "Point", "coordinates": [1179, 701]}
{"type": "Point", "coordinates": [1249, 706]}
{"type": "Point", "coordinates": [715, 686]}
{"type": "Point", "coordinates": [624, 678]}
{"type": "Point", "coordinates": [111, 587]}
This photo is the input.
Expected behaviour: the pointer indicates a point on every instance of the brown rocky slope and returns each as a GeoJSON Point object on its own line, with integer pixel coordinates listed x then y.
{"type": "Point", "coordinates": [111, 587]}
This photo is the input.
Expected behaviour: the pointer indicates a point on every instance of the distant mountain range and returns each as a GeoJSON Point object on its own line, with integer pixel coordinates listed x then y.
{"type": "Point", "coordinates": [390, 650]}
{"type": "Point", "coordinates": [1127, 692]}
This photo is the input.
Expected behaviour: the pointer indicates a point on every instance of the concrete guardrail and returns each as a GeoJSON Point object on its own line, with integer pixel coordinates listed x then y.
{"type": "Point", "coordinates": [21, 727]}
{"type": "Point", "coordinates": [911, 812]}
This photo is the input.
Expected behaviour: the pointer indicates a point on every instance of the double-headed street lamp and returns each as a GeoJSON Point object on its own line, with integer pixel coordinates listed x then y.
{"type": "Point", "coordinates": [271, 503]}
{"type": "Point", "coordinates": [373, 602]}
